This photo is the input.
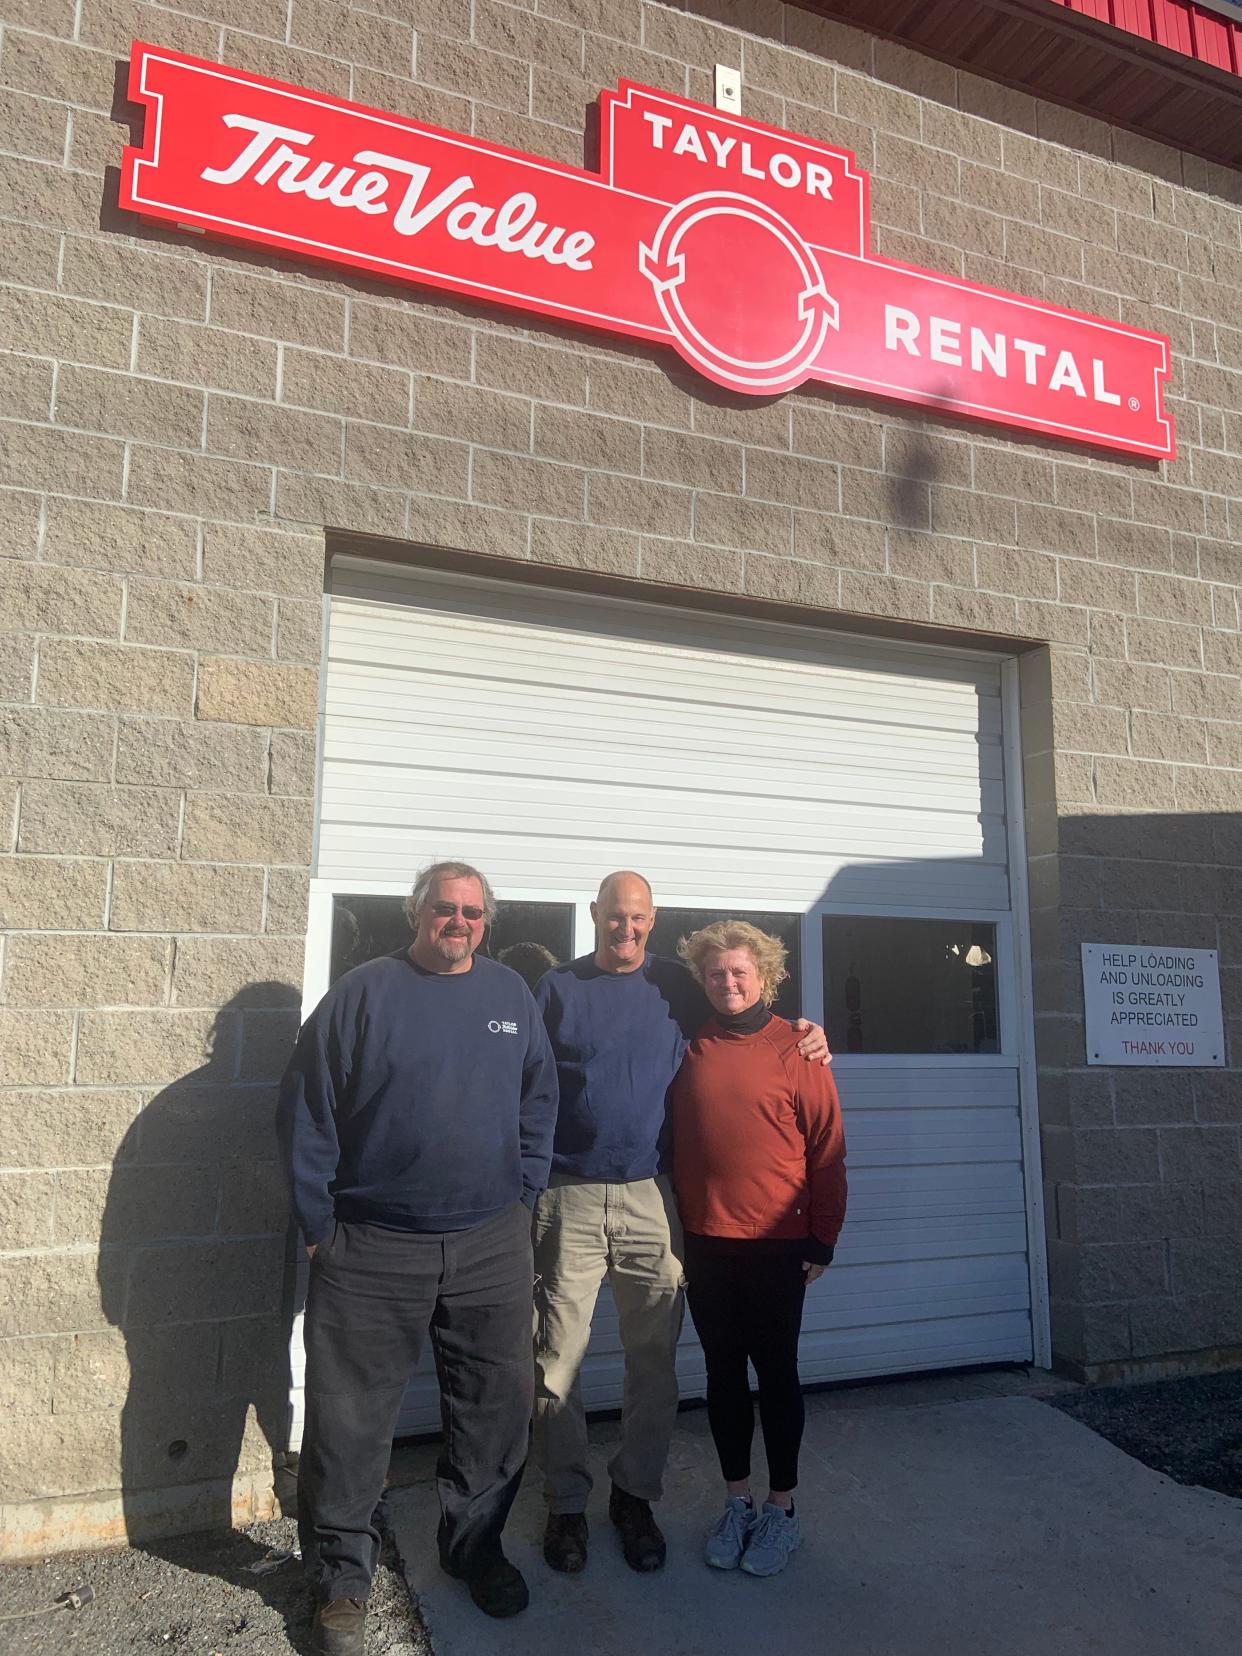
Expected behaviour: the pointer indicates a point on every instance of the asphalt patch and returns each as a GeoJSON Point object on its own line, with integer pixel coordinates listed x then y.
{"type": "Point", "coordinates": [194, 1595]}
{"type": "Point", "coordinates": [1189, 1429]}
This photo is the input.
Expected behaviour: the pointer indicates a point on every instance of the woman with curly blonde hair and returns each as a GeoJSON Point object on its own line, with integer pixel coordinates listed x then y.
{"type": "Point", "coordinates": [759, 1171]}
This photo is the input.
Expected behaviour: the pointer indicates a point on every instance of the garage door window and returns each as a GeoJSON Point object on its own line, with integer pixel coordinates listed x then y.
{"type": "Point", "coordinates": [672, 924]}
{"type": "Point", "coordinates": [538, 934]}
{"type": "Point", "coordinates": [897, 985]}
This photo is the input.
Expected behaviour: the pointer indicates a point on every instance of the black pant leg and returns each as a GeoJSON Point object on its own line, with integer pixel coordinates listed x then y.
{"type": "Point", "coordinates": [481, 1332]}
{"type": "Point", "coordinates": [775, 1290]}
{"type": "Point", "coordinates": [370, 1299]}
{"type": "Point", "coordinates": [713, 1292]}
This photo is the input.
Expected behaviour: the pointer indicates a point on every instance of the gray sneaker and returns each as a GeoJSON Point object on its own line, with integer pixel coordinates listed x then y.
{"type": "Point", "coordinates": [773, 1538]}
{"type": "Point", "coordinates": [728, 1538]}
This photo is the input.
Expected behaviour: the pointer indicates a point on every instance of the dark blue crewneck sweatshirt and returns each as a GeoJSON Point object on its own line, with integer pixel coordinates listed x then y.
{"type": "Point", "coordinates": [420, 1100]}
{"type": "Point", "coordinates": [618, 1038]}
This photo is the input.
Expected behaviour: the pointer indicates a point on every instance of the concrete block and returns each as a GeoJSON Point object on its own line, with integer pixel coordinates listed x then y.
{"type": "Point", "coordinates": [514, 482]}
{"type": "Point", "coordinates": [49, 1293]}
{"type": "Point", "coordinates": [243, 428]}
{"type": "Point", "coordinates": [73, 971]}
{"type": "Point", "coordinates": [487, 77]}
{"type": "Point", "coordinates": [638, 393]}
{"type": "Point", "coordinates": [34, 1048]}
{"type": "Point", "coordinates": [1211, 1265]}
{"type": "Point", "coordinates": [400, 459]}
{"type": "Point", "coordinates": [880, 595]}
{"type": "Point", "coordinates": [256, 693]}
{"type": "Point", "coordinates": [675, 563]}
{"type": "Point", "coordinates": [299, 630]}
{"type": "Point", "coordinates": [158, 281]}
{"type": "Point", "coordinates": [403, 335]}
{"type": "Point", "coordinates": [26, 1368]}
{"type": "Point", "coordinates": [41, 457]}
{"type": "Point", "coordinates": [247, 828]}
{"type": "Point", "coordinates": [748, 525]}
{"type": "Point", "coordinates": [265, 971]}
{"type": "Point", "coordinates": [306, 501]}
{"type": "Point", "coordinates": [632, 503]}
{"type": "Point", "coordinates": [584, 546]}
{"type": "Point", "coordinates": [789, 581]}
{"type": "Point", "coordinates": [267, 1042]}
{"type": "Point", "coordinates": [49, 325]}
{"type": "Point", "coordinates": [61, 1454]}
{"type": "Point", "coordinates": [123, 406]}
{"type": "Point", "coordinates": [340, 386]}
{"type": "Point", "coordinates": [25, 1210]}
{"type": "Point", "coordinates": [590, 442]}
{"type": "Point", "coordinates": [182, 897]}
{"type": "Point", "coordinates": [175, 753]}
{"type": "Point", "coordinates": [134, 1203]}
{"type": "Point", "coordinates": [119, 538]}
{"type": "Point", "coordinates": [190, 354]}
{"type": "Point", "coordinates": [263, 560]}
{"type": "Point", "coordinates": [117, 677]}
{"type": "Point", "coordinates": [52, 893]}
{"type": "Point", "coordinates": [52, 1127]}
{"type": "Point", "coordinates": [287, 898]}
{"type": "Point", "coordinates": [198, 484]}
{"type": "Point", "coordinates": [853, 545]}
{"type": "Point", "coordinates": [203, 1122]}
{"type": "Point", "coordinates": [119, 1048]}
{"type": "Point", "coordinates": [39, 598]}
{"type": "Point", "coordinates": [254, 1200]}
{"type": "Point", "coordinates": [219, 1279]}
{"type": "Point", "coordinates": [280, 307]}
{"type": "Point", "coordinates": [87, 819]}
{"type": "Point", "coordinates": [1200, 1152]}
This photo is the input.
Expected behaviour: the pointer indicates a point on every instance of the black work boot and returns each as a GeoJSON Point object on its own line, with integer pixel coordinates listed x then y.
{"type": "Point", "coordinates": [642, 1541]}
{"type": "Point", "coordinates": [496, 1586]}
{"type": "Point", "coordinates": [565, 1542]}
{"type": "Point", "coordinates": [337, 1628]}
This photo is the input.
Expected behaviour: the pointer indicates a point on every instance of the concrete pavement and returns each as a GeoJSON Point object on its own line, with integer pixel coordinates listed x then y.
{"type": "Point", "coordinates": [985, 1525]}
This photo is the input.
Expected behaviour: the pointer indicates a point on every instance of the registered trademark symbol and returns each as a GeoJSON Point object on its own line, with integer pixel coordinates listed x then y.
{"type": "Point", "coordinates": [1134, 405]}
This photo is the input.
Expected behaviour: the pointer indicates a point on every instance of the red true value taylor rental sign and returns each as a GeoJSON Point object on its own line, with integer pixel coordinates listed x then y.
{"type": "Point", "coordinates": [743, 247]}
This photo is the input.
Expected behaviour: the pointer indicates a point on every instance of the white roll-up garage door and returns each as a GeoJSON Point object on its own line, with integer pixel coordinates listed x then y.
{"type": "Point", "coordinates": [832, 780]}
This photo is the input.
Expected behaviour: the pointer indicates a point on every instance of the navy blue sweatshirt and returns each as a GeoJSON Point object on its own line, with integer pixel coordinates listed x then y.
{"type": "Point", "coordinates": [618, 1038]}
{"type": "Point", "coordinates": [421, 1100]}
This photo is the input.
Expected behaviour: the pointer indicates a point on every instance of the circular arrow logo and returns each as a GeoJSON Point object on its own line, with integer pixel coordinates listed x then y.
{"type": "Point", "coordinates": [740, 291]}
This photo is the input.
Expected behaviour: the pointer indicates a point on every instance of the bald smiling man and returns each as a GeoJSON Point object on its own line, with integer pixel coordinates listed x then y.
{"type": "Point", "coordinates": [619, 1021]}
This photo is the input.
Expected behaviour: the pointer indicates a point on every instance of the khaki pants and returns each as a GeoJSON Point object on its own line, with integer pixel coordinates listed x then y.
{"type": "Point", "coordinates": [583, 1229]}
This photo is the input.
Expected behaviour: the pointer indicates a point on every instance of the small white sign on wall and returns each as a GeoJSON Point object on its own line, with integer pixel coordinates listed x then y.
{"type": "Point", "coordinates": [1153, 1005]}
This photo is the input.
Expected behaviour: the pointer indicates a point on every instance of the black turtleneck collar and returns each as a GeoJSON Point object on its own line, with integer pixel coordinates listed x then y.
{"type": "Point", "coordinates": [749, 1022]}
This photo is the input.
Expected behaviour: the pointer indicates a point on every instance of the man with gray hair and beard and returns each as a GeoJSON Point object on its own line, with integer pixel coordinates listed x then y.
{"type": "Point", "coordinates": [416, 1120]}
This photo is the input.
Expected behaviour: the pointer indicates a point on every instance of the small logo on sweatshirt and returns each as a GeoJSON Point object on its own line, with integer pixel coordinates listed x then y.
{"type": "Point", "coordinates": [502, 1027]}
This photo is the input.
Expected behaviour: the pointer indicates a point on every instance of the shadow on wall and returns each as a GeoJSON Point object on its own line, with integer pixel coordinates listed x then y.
{"type": "Point", "coordinates": [192, 1272]}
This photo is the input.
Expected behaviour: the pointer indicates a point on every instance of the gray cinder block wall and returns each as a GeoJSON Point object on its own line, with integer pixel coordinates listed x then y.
{"type": "Point", "coordinates": [182, 424]}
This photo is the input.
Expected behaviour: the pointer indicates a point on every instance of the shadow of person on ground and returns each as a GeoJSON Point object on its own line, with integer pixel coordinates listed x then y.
{"type": "Point", "coordinates": [195, 1271]}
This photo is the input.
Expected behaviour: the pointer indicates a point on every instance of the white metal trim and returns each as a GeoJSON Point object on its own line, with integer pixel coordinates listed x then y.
{"type": "Point", "coordinates": [1028, 1089]}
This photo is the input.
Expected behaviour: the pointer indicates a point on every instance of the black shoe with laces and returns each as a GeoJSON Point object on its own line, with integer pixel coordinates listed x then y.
{"type": "Point", "coordinates": [496, 1586]}
{"type": "Point", "coordinates": [565, 1542]}
{"type": "Point", "coordinates": [642, 1540]}
{"type": "Point", "coordinates": [338, 1627]}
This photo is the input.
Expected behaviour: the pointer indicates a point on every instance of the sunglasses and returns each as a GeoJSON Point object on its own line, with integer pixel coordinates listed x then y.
{"type": "Point", "coordinates": [446, 911]}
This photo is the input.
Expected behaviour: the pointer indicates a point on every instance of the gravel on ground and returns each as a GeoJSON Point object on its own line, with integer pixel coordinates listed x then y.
{"type": "Point", "coordinates": [194, 1595]}
{"type": "Point", "coordinates": [1190, 1429]}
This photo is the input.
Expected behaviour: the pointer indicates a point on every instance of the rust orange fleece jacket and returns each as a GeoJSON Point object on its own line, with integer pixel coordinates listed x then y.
{"type": "Point", "coordinates": [758, 1147]}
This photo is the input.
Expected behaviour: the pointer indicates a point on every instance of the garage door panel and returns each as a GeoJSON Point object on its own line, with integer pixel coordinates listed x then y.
{"type": "Point", "coordinates": [556, 865]}
{"type": "Point", "coordinates": [549, 736]}
{"type": "Point", "coordinates": [938, 720]}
